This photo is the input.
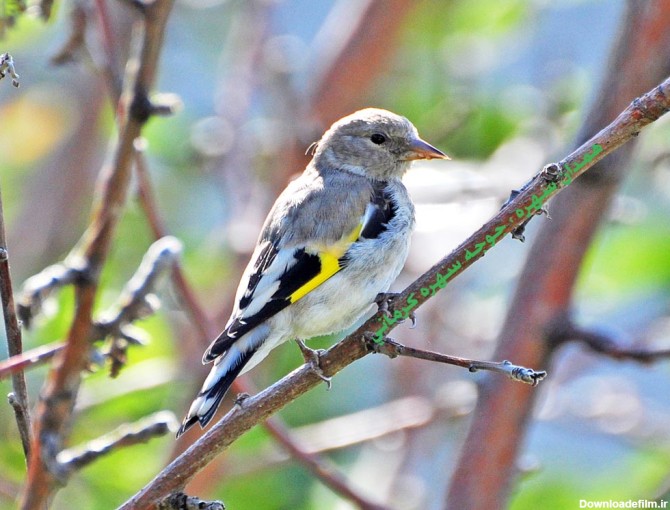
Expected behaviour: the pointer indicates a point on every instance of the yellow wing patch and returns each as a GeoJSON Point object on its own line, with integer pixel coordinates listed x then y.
{"type": "Point", "coordinates": [330, 263]}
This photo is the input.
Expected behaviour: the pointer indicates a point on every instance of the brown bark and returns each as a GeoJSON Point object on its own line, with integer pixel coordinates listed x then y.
{"type": "Point", "coordinates": [484, 474]}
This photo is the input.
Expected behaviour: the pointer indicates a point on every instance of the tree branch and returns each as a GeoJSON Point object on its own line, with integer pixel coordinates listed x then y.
{"type": "Point", "coordinates": [135, 302]}
{"type": "Point", "coordinates": [564, 330]}
{"type": "Point", "coordinates": [38, 288]}
{"type": "Point", "coordinates": [55, 408]}
{"type": "Point", "coordinates": [148, 203]}
{"type": "Point", "coordinates": [155, 425]}
{"type": "Point", "coordinates": [638, 61]}
{"type": "Point", "coordinates": [320, 467]}
{"type": "Point", "coordinates": [392, 349]}
{"type": "Point", "coordinates": [29, 359]}
{"type": "Point", "coordinates": [253, 410]}
{"type": "Point", "coordinates": [19, 399]}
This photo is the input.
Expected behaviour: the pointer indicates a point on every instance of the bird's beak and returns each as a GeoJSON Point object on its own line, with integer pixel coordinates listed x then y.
{"type": "Point", "coordinates": [418, 149]}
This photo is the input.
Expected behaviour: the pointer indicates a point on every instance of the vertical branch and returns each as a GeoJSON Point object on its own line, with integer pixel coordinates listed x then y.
{"type": "Point", "coordinates": [59, 394]}
{"type": "Point", "coordinates": [19, 399]}
{"type": "Point", "coordinates": [484, 473]}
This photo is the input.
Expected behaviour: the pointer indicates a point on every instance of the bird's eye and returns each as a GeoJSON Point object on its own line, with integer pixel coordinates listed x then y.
{"type": "Point", "coordinates": [378, 138]}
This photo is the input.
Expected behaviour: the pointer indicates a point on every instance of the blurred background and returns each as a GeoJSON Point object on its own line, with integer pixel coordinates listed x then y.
{"type": "Point", "coordinates": [502, 87]}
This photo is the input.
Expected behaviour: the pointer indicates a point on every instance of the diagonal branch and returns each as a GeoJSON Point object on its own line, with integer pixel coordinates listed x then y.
{"type": "Point", "coordinates": [255, 409]}
{"type": "Point", "coordinates": [155, 425]}
{"type": "Point", "coordinates": [54, 410]}
{"type": "Point", "coordinates": [319, 467]}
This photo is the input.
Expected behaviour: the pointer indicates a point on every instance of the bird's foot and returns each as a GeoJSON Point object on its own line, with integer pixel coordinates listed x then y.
{"type": "Point", "coordinates": [313, 359]}
{"type": "Point", "coordinates": [383, 300]}
{"type": "Point", "coordinates": [412, 317]}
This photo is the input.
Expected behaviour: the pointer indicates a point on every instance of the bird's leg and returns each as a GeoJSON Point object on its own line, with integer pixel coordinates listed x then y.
{"type": "Point", "coordinates": [412, 317]}
{"type": "Point", "coordinates": [312, 358]}
{"type": "Point", "coordinates": [383, 300]}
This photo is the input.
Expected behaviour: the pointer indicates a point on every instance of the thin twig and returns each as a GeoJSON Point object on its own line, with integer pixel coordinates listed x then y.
{"type": "Point", "coordinates": [135, 302]}
{"type": "Point", "coordinates": [641, 112]}
{"type": "Point", "coordinates": [565, 330]}
{"type": "Point", "coordinates": [29, 359]}
{"type": "Point", "coordinates": [19, 401]}
{"type": "Point", "coordinates": [22, 416]}
{"type": "Point", "coordinates": [38, 288]}
{"type": "Point", "coordinates": [320, 468]}
{"type": "Point", "coordinates": [392, 349]}
{"type": "Point", "coordinates": [129, 434]}
{"type": "Point", "coordinates": [76, 38]}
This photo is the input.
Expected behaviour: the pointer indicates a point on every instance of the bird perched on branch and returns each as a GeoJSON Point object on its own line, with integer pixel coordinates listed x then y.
{"type": "Point", "coordinates": [335, 238]}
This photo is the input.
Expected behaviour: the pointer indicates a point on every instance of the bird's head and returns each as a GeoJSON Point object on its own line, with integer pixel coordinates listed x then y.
{"type": "Point", "coordinates": [373, 142]}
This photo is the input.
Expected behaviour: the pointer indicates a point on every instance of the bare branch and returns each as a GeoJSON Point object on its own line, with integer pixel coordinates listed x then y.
{"type": "Point", "coordinates": [255, 409]}
{"type": "Point", "coordinates": [155, 425]}
{"type": "Point", "coordinates": [54, 411]}
{"type": "Point", "coordinates": [75, 41]}
{"type": "Point", "coordinates": [22, 420]}
{"type": "Point", "coordinates": [145, 192]}
{"type": "Point", "coordinates": [37, 289]}
{"type": "Point", "coordinates": [19, 399]}
{"type": "Point", "coordinates": [29, 359]}
{"type": "Point", "coordinates": [564, 330]}
{"type": "Point", "coordinates": [392, 349]}
{"type": "Point", "coordinates": [399, 415]}
{"type": "Point", "coordinates": [321, 468]}
{"type": "Point", "coordinates": [638, 61]}
{"type": "Point", "coordinates": [135, 302]}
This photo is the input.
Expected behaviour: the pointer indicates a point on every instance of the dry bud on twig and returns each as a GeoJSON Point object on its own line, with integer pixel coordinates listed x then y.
{"type": "Point", "coordinates": [7, 66]}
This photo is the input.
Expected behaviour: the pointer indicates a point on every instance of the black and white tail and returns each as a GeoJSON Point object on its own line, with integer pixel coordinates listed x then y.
{"type": "Point", "coordinates": [226, 368]}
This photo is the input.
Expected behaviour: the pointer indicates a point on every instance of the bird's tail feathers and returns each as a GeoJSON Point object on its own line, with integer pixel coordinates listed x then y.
{"type": "Point", "coordinates": [215, 387]}
{"type": "Point", "coordinates": [218, 347]}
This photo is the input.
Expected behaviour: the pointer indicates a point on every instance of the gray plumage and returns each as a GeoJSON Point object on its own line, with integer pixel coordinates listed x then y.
{"type": "Point", "coordinates": [335, 238]}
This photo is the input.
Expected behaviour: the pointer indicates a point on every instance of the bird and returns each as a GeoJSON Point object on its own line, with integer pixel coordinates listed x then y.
{"type": "Point", "coordinates": [336, 238]}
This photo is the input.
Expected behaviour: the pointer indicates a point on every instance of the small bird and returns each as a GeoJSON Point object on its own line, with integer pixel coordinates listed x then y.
{"type": "Point", "coordinates": [336, 237]}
